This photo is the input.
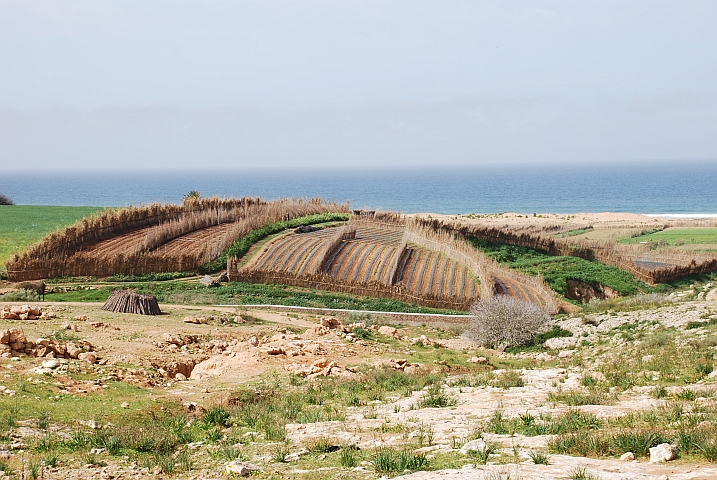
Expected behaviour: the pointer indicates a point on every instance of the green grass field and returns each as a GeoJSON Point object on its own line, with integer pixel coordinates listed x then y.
{"type": "Point", "coordinates": [23, 225]}
{"type": "Point", "coordinates": [678, 236]}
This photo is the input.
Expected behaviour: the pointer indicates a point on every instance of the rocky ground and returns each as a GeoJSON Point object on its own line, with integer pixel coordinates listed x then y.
{"type": "Point", "coordinates": [363, 390]}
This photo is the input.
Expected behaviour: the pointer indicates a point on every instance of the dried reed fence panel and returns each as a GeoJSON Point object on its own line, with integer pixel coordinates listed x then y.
{"type": "Point", "coordinates": [60, 254]}
{"type": "Point", "coordinates": [127, 301]}
{"type": "Point", "coordinates": [485, 268]}
{"type": "Point", "coordinates": [620, 256]}
{"type": "Point", "coordinates": [378, 219]}
{"type": "Point", "coordinates": [326, 282]}
{"type": "Point", "coordinates": [326, 251]}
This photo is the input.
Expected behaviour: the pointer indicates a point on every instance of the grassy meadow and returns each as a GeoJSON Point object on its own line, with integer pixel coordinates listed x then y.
{"type": "Point", "coordinates": [678, 236]}
{"type": "Point", "coordinates": [23, 225]}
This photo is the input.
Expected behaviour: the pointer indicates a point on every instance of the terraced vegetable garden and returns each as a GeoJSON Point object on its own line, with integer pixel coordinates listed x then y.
{"type": "Point", "coordinates": [368, 258]}
{"type": "Point", "coordinates": [163, 238]}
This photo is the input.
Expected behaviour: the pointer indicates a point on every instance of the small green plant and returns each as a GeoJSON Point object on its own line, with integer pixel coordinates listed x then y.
{"type": "Point", "coordinates": [577, 398]}
{"type": "Point", "coordinates": [482, 454]}
{"type": "Point", "coordinates": [387, 460]}
{"type": "Point", "coordinates": [34, 468]}
{"type": "Point", "coordinates": [588, 381]}
{"type": "Point", "coordinates": [539, 458]}
{"type": "Point", "coordinates": [5, 468]}
{"type": "Point", "coordinates": [214, 435]}
{"type": "Point", "coordinates": [686, 394]}
{"type": "Point", "coordinates": [216, 416]}
{"type": "Point", "coordinates": [280, 453]}
{"type": "Point", "coordinates": [320, 445]}
{"type": "Point", "coordinates": [66, 336]}
{"type": "Point", "coordinates": [581, 473]}
{"type": "Point", "coordinates": [43, 420]}
{"type": "Point", "coordinates": [508, 379]}
{"type": "Point", "coordinates": [435, 397]}
{"type": "Point", "coordinates": [347, 457]}
{"type": "Point", "coordinates": [363, 333]}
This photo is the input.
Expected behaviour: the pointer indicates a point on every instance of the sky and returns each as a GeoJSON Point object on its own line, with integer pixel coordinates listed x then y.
{"type": "Point", "coordinates": [121, 85]}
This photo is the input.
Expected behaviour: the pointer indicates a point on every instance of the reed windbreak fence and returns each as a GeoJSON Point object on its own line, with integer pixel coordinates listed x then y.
{"type": "Point", "coordinates": [70, 252]}
{"type": "Point", "coordinates": [650, 267]}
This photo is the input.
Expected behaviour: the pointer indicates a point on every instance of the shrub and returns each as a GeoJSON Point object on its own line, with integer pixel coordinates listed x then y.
{"type": "Point", "coordinates": [5, 200]}
{"type": "Point", "coordinates": [504, 321]}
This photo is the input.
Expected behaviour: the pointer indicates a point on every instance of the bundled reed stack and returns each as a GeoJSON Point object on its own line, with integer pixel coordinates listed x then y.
{"type": "Point", "coordinates": [127, 301]}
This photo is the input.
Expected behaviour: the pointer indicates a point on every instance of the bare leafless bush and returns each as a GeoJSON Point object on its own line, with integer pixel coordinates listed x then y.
{"type": "Point", "coordinates": [503, 321]}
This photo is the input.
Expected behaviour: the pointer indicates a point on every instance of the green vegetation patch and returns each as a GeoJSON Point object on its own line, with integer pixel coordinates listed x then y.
{"type": "Point", "coordinates": [192, 293]}
{"type": "Point", "coordinates": [678, 236]}
{"type": "Point", "coordinates": [556, 271]}
{"type": "Point", "coordinates": [23, 225]}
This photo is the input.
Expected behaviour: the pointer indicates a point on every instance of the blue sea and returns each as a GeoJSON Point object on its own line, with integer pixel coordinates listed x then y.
{"type": "Point", "coordinates": [682, 189]}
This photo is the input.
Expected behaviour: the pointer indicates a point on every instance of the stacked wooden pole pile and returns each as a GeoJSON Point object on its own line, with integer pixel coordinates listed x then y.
{"type": "Point", "coordinates": [126, 301]}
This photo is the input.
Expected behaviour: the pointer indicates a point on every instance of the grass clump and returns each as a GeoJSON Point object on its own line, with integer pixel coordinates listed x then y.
{"type": "Point", "coordinates": [482, 454]}
{"type": "Point", "coordinates": [348, 458]}
{"type": "Point", "coordinates": [436, 397]}
{"type": "Point", "coordinates": [388, 461]}
{"type": "Point", "coordinates": [539, 458]}
{"type": "Point", "coordinates": [576, 398]}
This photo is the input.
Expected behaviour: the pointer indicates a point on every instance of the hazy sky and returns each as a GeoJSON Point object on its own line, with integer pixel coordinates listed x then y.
{"type": "Point", "coordinates": [213, 84]}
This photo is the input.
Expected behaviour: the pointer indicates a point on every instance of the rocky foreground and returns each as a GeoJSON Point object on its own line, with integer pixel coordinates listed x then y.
{"type": "Point", "coordinates": [630, 392]}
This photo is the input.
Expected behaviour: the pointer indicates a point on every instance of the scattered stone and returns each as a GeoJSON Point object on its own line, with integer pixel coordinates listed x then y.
{"type": "Point", "coordinates": [52, 363]}
{"type": "Point", "coordinates": [664, 452]}
{"type": "Point", "coordinates": [478, 360]}
{"type": "Point", "coordinates": [243, 469]}
{"type": "Point", "coordinates": [172, 339]}
{"type": "Point", "coordinates": [473, 445]}
{"type": "Point", "coordinates": [388, 331]}
{"type": "Point", "coordinates": [332, 323]}
{"type": "Point", "coordinates": [23, 312]}
{"type": "Point", "coordinates": [89, 357]}
{"type": "Point", "coordinates": [627, 457]}
{"type": "Point", "coordinates": [180, 377]}
{"type": "Point", "coordinates": [125, 405]}
{"type": "Point", "coordinates": [560, 343]}
{"type": "Point", "coordinates": [195, 320]}
{"type": "Point", "coordinates": [208, 281]}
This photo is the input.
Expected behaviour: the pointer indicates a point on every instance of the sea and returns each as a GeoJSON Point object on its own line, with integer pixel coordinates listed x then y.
{"type": "Point", "coordinates": [674, 189]}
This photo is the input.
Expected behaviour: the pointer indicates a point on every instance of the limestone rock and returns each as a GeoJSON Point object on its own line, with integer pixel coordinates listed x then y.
{"type": "Point", "coordinates": [478, 360]}
{"type": "Point", "coordinates": [89, 357]}
{"type": "Point", "coordinates": [172, 339]}
{"type": "Point", "coordinates": [208, 281]}
{"type": "Point", "coordinates": [473, 445]}
{"type": "Point", "coordinates": [560, 343]}
{"type": "Point", "coordinates": [627, 457]}
{"type": "Point", "coordinates": [243, 469]}
{"type": "Point", "coordinates": [386, 330]}
{"type": "Point", "coordinates": [664, 452]}
{"type": "Point", "coordinates": [195, 320]}
{"type": "Point", "coordinates": [331, 323]}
